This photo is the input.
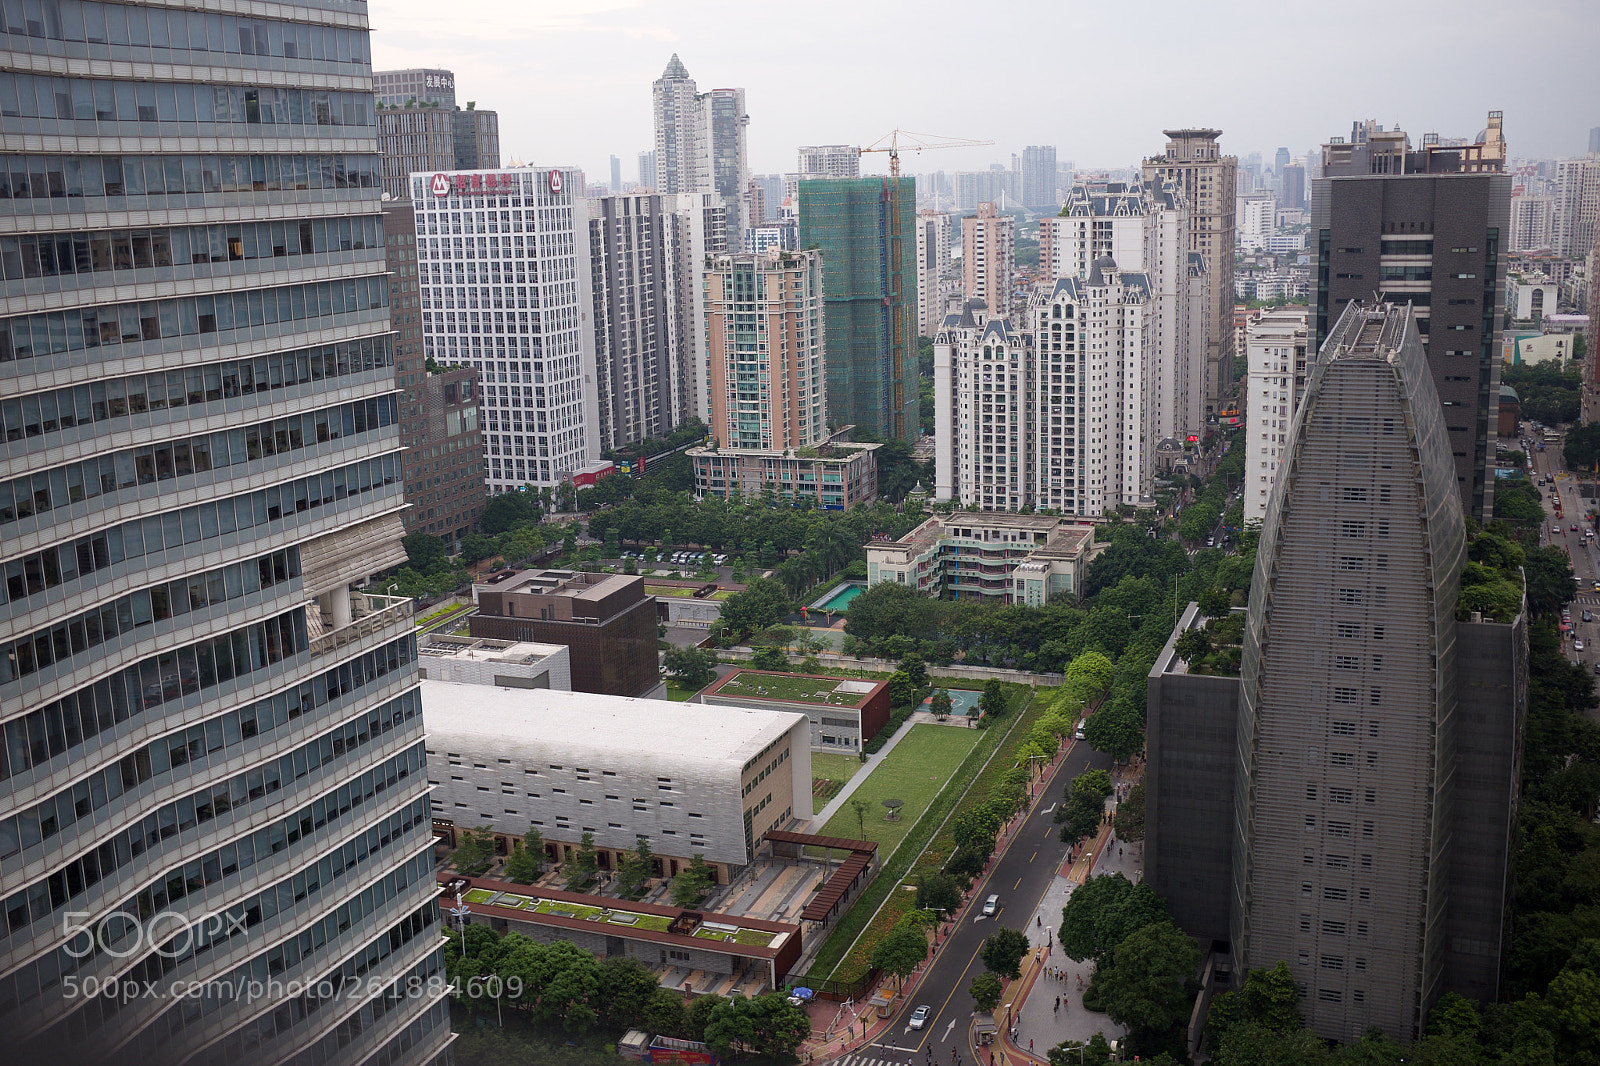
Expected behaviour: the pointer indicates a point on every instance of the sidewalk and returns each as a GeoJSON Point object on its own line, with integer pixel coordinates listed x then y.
{"type": "Point", "coordinates": [850, 1026]}
{"type": "Point", "coordinates": [820, 819]}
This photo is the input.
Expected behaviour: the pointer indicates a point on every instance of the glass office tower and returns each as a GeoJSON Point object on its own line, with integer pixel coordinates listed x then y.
{"type": "Point", "coordinates": [212, 789]}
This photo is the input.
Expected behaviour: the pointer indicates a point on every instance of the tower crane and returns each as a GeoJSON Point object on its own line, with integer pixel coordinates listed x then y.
{"type": "Point", "coordinates": [895, 140]}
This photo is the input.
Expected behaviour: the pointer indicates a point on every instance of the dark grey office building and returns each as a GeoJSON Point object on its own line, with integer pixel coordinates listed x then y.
{"type": "Point", "coordinates": [1427, 226]}
{"type": "Point", "coordinates": [1345, 805]}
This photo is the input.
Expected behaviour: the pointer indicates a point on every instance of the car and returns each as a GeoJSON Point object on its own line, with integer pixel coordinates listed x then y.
{"type": "Point", "coordinates": [1574, 528]}
{"type": "Point", "coordinates": [991, 906]}
{"type": "Point", "coordinates": [1078, 734]}
{"type": "Point", "coordinates": [1554, 530]}
{"type": "Point", "coordinates": [1588, 616]}
{"type": "Point", "coordinates": [919, 1017]}
{"type": "Point", "coordinates": [1211, 542]}
{"type": "Point", "coordinates": [1597, 585]}
{"type": "Point", "coordinates": [1577, 645]}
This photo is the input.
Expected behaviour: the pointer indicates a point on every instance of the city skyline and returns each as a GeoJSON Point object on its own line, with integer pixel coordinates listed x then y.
{"type": "Point", "coordinates": [607, 103]}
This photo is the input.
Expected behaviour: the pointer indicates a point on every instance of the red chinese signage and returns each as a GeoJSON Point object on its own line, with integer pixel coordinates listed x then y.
{"type": "Point", "coordinates": [473, 184]}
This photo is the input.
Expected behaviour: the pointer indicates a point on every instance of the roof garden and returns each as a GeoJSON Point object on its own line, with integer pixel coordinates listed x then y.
{"type": "Point", "coordinates": [794, 688]}
{"type": "Point", "coordinates": [621, 916]}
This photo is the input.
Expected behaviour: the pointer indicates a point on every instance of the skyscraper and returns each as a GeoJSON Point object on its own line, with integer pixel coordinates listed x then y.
{"type": "Point", "coordinates": [1039, 176]}
{"type": "Point", "coordinates": [933, 262]}
{"type": "Point", "coordinates": [682, 162]}
{"type": "Point", "coordinates": [520, 313]}
{"type": "Point", "coordinates": [1275, 345]}
{"type": "Point", "coordinates": [1279, 161]}
{"type": "Point", "coordinates": [829, 161]}
{"type": "Point", "coordinates": [416, 138]}
{"type": "Point", "coordinates": [1427, 226]}
{"type": "Point", "coordinates": [1293, 183]}
{"type": "Point", "coordinates": [638, 349]}
{"type": "Point", "coordinates": [616, 174]}
{"type": "Point", "coordinates": [729, 145]}
{"type": "Point", "coordinates": [212, 747]}
{"type": "Point", "coordinates": [989, 257]}
{"type": "Point", "coordinates": [865, 228]}
{"type": "Point", "coordinates": [1205, 178]}
{"type": "Point", "coordinates": [647, 170]}
{"type": "Point", "coordinates": [1367, 827]}
{"type": "Point", "coordinates": [1577, 205]}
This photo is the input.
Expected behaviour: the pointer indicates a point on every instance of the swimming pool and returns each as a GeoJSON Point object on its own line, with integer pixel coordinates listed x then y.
{"type": "Point", "coordinates": [839, 599]}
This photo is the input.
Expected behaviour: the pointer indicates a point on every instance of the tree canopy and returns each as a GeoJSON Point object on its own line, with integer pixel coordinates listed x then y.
{"type": "Point", "coordinates": [1104, 911]}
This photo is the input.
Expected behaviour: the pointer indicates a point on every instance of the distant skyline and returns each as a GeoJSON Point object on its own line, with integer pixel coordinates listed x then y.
{"type": "Point", "coordinates": [572, 82]}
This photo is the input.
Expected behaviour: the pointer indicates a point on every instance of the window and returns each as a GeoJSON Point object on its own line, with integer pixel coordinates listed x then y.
{"type": "Point", "coordinates": [1340, 829]}
{"type": "Point", "coordinates": [1311, 792]}
{"type": "Point", "coordinates": [1331, 962]}
{"type": "Point", "coordinates": [1346, 662]}
{"type": "Point", "coordinates": [1348, 631]}
{"type": "Point", "coordinates": [1337, 862]}
{"type": "Point", "coordinates": [1343, 729]}
{"type": "Point", "coordinates": [1311, 821]}
{"type": "Point", "coordinates": [1350, 597]}
{"type": "Point", "coordinates": [1305, 923]}
{"type": "Point", "coordinates": [1305, 888]}
{"type": "Point", "coordinates": [1341, 795]}
{"type": "Point", "coordinates": [1335, 893]}
{"type": "Point", "coordinates": [1332, 928]}
{"type": "Point", "coordinates": [1330, 995]}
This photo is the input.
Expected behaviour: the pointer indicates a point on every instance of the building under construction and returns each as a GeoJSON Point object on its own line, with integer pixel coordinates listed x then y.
{"type": "Point", "coordinates": [865, 228]}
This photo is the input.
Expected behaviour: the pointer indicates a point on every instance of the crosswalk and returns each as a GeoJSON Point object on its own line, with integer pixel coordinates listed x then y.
{"type": "Point", "coordinates": [868, 1060]}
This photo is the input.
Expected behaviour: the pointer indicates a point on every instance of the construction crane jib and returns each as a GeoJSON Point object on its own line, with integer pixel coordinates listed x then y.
{"type": "Point", "coordinates": [897, 141]}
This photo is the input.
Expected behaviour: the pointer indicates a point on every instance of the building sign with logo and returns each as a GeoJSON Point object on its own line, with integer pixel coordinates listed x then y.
{"type": "Point", "coordinates": [446, 82]}
{"type": "Point", "coordinates": [555, 182]}
{"type": "Point", "coordinates": [473, 184]}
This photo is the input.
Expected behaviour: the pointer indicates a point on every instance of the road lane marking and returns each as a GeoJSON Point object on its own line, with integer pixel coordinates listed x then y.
{"type": "Point", "coordinates": [1035, 855]}
{"type": "Point", "coordinates": [1017, 885]}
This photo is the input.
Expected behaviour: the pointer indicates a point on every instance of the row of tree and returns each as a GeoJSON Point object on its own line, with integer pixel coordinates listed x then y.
{"type": "Point", "coordinates": [475, 854]}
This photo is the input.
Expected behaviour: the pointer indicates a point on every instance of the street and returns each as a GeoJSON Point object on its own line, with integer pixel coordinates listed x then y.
{"type": "Point", "coordinates": [1583, 550]}
{"type": "Point", "coordinates": [1020, 879]}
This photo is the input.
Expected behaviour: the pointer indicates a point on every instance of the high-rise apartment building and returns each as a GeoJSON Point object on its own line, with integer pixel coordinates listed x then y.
{"type": "Point", "coordinates": [503, 263]}
{"type": "Point", "coordinates": [616, 174]}
{"type": "Point", "coordinates": [417, 139]}
{"type": "Point", "coordinates": [1275, 345]}
{"type": "Point", "coordinates": [1039, 176]}
{"type": "Point", "coordinates": [829, 161]}
{"type": "Point", "coordinates": [1195, 166]}
{"type": "Point", "coordinates": [866, 231]}
{"type": "Point", "coordinates": [1293, 187]}
{"type": "Point", "coordinates": [989, 257]}
{"type": "Point", "coordinates": [647, 171]}
{"type": "Point", "coordinates": [772, 198]}
{"type": "Point", "coordinates": [443, 460]}
{"type": "Point", "coordinates": [1428, 227]}
{"type": "Point", "coordinates": [1533, 225]}
{"type": "Point", "coordinates": [728, 142]}
{"type": "Point", "coordinates": [1368, 821]}
{"type": "Point", "coordinates": [200, 444]}
{"type": "Point", "coordinates": [701, 142]}
{"type": "Point", "coordinates": [933, 263]}
{"type": "Point", "coordinates": [1144, 230]}
{"type": "Point", "coordinates": [415, 86]}
{"type": "Point", "coordinates": [638, 349]}
{"type": "Point", "coordinates": [1257, 216]}
{"type": "Point", "coordinates": [1576, 185]}
{"type": "Point", "coordinates": [1055, 413]}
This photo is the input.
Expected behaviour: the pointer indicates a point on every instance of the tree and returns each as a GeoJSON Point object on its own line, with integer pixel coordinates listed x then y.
{"type": "Point", "coordinates": [940, 704]}
{"type": "Point", "coordinates": [985, 990]}
{"type": "Point", "coordinates": [424, 551]}
{"type": "Point", "coordinates": [766, 1025]}
{"type": "Point", "coordinates": [900, 951]}
{"type": "Point", "coordinates": [914, 668]}
{"type": "Point", "coordinates": [902, 693]}
{"type": "Point", "coordinates": [1090, 674]}
{"type": "Point", "coordinates": [691, 667]}
{"type": "Point", "coordinates": [1116, 729]}
{"type": "Point", "coordinates": [1130, 815]}
{"type": "Point", "coordinates": [506, 511]}
{"type": "Point", "coordinates": [1002, 952]}
{"type": "Point", "coordinates": [1085, 804]}
{"type": "Point", "coordinates": [522, 867]}
{"type": "Point", "coordinates": [770, 657]}
{"type": "Point", "coordinates": [1103, 911]}
{"type": "Point", "coordinates": [993, 702]}
{"type": "Point", "coordinates": [1268, 1000]}
{"type": "Point", "coordinates": [938, 892]}
{"type": "Point", "coordinates": [1144, 985]}
{"type": "Point", "coordinates": [1215, 602]}
{"type": "Point", "coordinates": [1096, 1051]}
{"type": "Point", "coordinates": [693, 883]}
{"type": "Point", "coordinates": [860, 807]}
{"type": "Point", "coordinates": [763, 603]}
{"type": "Point", "coordinates": [634, 871]}
{"type": "Point", "coordinates": [475, 851]}
{"type": "Point", "coordinates": [475, 547]}
{"type": "Point", "coordinates": [583, 865]}
{"type": "Point", "coordinates": [1582, 447]}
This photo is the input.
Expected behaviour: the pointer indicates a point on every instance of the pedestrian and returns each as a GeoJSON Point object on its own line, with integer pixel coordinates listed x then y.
{"type": "Point", "coordinates": [1030, 1047]}
{"type": "Point", "coordinates": [1038, 921]}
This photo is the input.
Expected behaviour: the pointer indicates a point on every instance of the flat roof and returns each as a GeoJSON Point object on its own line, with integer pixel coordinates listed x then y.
{"type": "Point", "coordinates": [609, 730]}
{"type": "Point", "coordinates": [484, 649]}
{"type": "Point", "coordinates": [761, 686]}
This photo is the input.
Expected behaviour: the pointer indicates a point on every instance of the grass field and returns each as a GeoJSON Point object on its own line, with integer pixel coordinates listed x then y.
{"type": "Point", "coordinates": [788, 687]}
{"type": "Point", "coordinates": [678, 693]}
{"type": "Point", "coordinates": [913, 772]}
{"type": "Point", "coordinates": [840, 768]}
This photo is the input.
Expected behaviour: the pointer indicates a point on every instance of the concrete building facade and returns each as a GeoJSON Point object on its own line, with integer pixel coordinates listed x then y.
{"type": "Point", "coordinates": [1276, 346]}
{"type": "Point", "coordinates": [422, 85]}
{"type": "Point", "coordinates": [503, 263]}
{"type": "Point", "coordinates": [1576, 190]}
{"type": "Point", "coordinates": [843, 714]}
{"type": "Point", "coordinates": [423, 138]}
{"type": "Point", "coordinates": [1039, 176]}
{"type": "Point", "coordinates": [1206, 179]}
{"type": "Point", "coordinates": [1427, 227]}
{"type": "Point", "coordinates": [835, 475]}
{"type": "Point", "coordinates": [695, 780]}
{"type": "Point", "coordinates": [829, 161]}
{"type": "Point", "coordinates": [607, 620]}
{"type": "Point", "coordinates": [989, 257]}
{"type": "Point", "coordinates": [933, 263]}
{"type": "Point", "coordinates": [499, 663]}
{"type": "Point", "coordinates": [200, 456]}
{"type": "Point", "coordinates": [1023, 559]}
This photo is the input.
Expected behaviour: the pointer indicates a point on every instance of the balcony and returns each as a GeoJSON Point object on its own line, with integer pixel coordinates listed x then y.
{"type": "Point", "coordinates": [367, 614]}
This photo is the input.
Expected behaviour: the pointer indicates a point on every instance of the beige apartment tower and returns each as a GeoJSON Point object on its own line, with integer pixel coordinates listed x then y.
{"type": "Point", "coordinates": [988, 257]}
{"type": "Point", "coordinates": [1194, 164]}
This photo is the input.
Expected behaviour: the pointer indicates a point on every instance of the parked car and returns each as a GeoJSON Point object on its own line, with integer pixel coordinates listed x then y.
{"type": "Point", "coordinates": [1588, 616]}
{"type": "Point", "coordinates": [1577, 645]}
{"type": "Point", "coordinates": [919, 1017]}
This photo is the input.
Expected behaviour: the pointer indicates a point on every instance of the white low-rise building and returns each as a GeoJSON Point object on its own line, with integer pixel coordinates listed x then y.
{"type": "Point", "coordinates": [693, 779]}
{"type": "Point", "coordinates": [1275, 346]}
{"type": "Point", "coordinates": [1014, 558]}
{"type": "Point", "coordinates": [502, 663]}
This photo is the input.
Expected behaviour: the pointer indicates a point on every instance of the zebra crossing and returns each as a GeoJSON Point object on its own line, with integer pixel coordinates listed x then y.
{"type": "Point", "coordinates": [870, 1060]}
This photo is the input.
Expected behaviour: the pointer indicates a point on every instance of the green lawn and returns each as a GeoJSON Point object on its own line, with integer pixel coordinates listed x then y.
{"type": "Point", "coordinates": [668, 590]}
{"type": "Point", "coordinates": [840, 768]}
{"type": "Point", "coordinates": [788, 687]}
{"type": "Point", "coordinates": [914, 772]}
{"type": "Point", "coordinates": [679, 694]}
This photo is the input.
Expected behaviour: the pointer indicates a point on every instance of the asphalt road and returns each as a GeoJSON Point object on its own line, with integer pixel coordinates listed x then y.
{"type": "Point", "coordinates": [1019, 879]}
{"type": "Point", "coordinates": [1584, 550]}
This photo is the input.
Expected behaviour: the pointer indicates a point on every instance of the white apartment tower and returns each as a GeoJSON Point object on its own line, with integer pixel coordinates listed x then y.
{"type": "Point", "coordinates": [989, 257]}
{"type": "Point", "coordinates": [1275, 344]}
{"type": "Point", "coordinates": [933, 262]}
{"type": "Point", "coordinates": [1577, 205]}
{"type": "Point", "coordinates": [1144, 229]}
{"type": "Point", "coordinates": [503, 266]}
{"type": "Point", "coordinates": [1257, 213]}
{"type": "Point", "coordinates": [701, 142]}
{"type": "Point", "coordinates": [1054, 414]}
{"type": "Point", "coordinates": [698, 228]}
{"type": "Point", "coordinates": [1533, 223]}
{"type": "Point", "coordinates": [829, 161]}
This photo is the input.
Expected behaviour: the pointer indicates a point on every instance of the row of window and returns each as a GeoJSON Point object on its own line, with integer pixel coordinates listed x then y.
{"type": "Point", "coordinates": [88, 22]}
{"type": "Point", "coordinates": [81, 405]}
{"type": "Point", "coordinates": [64, 641]}
{"type": "Point", "coordinates": [72, 177]}
{"type": "Point", "coordinates": [38, 96]}
{"type": "Point", "coordinates": [107, 475]}
{"type": "Point", "coordinates": [173, 530]}
{"type": "Point", "coordinates": [113, 251]}
{"type": "Point", "coordinates": [27, 336]}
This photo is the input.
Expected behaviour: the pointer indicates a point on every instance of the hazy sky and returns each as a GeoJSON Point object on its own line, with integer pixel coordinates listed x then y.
{"type": "Point", "coordinates": [571, 78]}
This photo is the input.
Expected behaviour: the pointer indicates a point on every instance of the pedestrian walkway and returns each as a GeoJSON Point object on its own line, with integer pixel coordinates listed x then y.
{"type": "Point", "coordinates": [820, 819]}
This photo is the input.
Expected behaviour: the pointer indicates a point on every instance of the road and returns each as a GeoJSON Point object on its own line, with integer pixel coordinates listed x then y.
{"type": "Point", "coordinates": [1019, 879]}
{"type": "Point", "coordinates": [1584, 550]}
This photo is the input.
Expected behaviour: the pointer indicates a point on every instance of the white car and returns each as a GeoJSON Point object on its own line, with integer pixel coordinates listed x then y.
{"type": "Point", "coordinates": [1577, 645]}
{"type": "Point", "coordinates": [919, 1017]}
